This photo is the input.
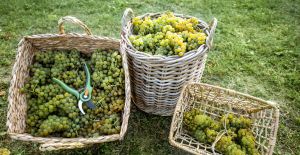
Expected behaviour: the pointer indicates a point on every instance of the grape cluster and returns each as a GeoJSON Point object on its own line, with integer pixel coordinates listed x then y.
{"type": "Point", "coordinates": [45, 58]}
{"type": "Point", "coordinates": [111, 125]}
{"type": "Point", "coordinates": [51, 111]}
{"type": "Point", "coordinates": [64, 61]}
{"type": "Point", "coordinates": [53, 124]}
{"type": "Point", "coordinates": [109, 77]}
{"type": "Point", "coordinates": [166, 35]}
{"type": "Point", "coordinates": [4, 151]}
{"type": "Point", "coordinates": [238, 137]}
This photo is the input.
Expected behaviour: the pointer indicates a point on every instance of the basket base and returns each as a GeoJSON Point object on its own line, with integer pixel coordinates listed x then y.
{"type": "Point", "coordinates": [154, 110]}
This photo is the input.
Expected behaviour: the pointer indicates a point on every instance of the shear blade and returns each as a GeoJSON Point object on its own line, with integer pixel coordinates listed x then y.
{"type": "Point", "coordinates": [80, 107]}
{"type": "Point", "coordinates": [90, 104]}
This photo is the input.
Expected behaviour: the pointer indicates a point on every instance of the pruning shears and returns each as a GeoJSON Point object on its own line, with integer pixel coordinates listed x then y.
{"type": "Point", "coordinates": [83, 96]}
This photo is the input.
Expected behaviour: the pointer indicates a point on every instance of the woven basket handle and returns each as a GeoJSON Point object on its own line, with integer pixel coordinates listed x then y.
{"type": "Point", "coordinates": [73, 20]}
{"type": "Point", "coordinates": [127, 15]}
{"type": "Point", "coordinates": [212, 28]}
{"type": "Point", "coordinates": [59, 146]}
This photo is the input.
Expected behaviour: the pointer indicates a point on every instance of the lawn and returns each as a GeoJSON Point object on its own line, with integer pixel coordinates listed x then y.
{"type": "Point", "coordinates": [256, 51]}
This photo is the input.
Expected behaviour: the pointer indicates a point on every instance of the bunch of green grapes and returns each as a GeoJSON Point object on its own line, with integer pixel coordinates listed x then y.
{"type": "Point", "coordinates": [206, 126]}
{"type": "Point", "coordinates": [109, 125]}
{"type": "Point", "coordinates": [193, 40]}
{"type": "Point", "coordinates": [86, 122]}
{"type": "Point", "coordinates": [247, 141]}
{"type": "Point", "coordinates": [176, 42]}
{"type": "Point", "coordinates": [4, 151]}
{"type": "Point", "coordinates": [53, 124]}
{"type": "Point", "coordinates": [234, 123]}
{"type": "Point", "coordinates": [166, 35]}
{"type": "Point", "coordinates": [49, 105]}
{"type": "Point", "coordinates": [45, 58]}
{"type": "Point", "coordinates": [73, 131]}
{"type": "Point", "coordinates": [44, 110]}
{"type": "Point", "coordinates": [32, 121]}
{"type": "Point", "coordinates": [73, 78]}
{"type": "Point", "coordinates": [117, 105]}
{"type": "Point", "coordinates": [238, 137]}
{"type": "Point", "coordinates": [108, 73]}
{"type": "Point", "coordinates": [108, 105]}
{"type": "Point", "coordinates": [227, 146]}
{"type": "Point", "coordinates": [79, 81]}
{"type": "Point", "coordinates": [80, 125]}
{"type": "Point", "coordinates": [65, 61]}
{"type": "Point", "coordinates": [39, 76]}
{"type": "Point", "coordinates": [189, 117]}
{"type": "Point", "coordinates": [46, 92]}
{"type": "Point", "coordinates": [68, 106]}
{"type": "Point", "coordinates": [108, 77]}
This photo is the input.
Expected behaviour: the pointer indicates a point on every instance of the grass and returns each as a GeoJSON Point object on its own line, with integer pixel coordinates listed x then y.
{"type": "Point", "coordinates": [257, 51]}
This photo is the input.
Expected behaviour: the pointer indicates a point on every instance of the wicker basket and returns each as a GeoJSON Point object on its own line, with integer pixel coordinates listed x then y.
{"type": "Point", "coordinates": [157, 80]}
{"type": "Point", "coordinates": [27, 47]}
{"type": "Point", "coordinates": [215, 101]}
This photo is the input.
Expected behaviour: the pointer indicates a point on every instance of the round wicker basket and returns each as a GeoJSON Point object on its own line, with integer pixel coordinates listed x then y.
{"type": "Point", "coordinates": [28, 46]}
{"type": "Point", "coordinates": [157, 80]}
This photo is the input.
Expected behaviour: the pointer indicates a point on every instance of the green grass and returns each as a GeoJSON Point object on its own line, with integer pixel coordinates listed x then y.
{"type": "Point", "coordinates": [257, 51]}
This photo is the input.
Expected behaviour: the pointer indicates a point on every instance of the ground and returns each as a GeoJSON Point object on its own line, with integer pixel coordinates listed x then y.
{"type": "Point", "coordinates": [256, 51]}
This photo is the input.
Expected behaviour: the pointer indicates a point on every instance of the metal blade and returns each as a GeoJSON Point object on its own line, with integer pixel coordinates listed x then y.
{"type": "Point", "coordinates": [90, 104]}
{"type": "Point", "coordinates": [80, 107]}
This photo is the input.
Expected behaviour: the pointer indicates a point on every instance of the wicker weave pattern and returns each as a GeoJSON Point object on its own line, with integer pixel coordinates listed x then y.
{"type": "Point", "coordinates": [17, 107]}
{"type": "Point", "coordinates": [215, 101]}
{"type": "Point", "coordinates": [157, 80]}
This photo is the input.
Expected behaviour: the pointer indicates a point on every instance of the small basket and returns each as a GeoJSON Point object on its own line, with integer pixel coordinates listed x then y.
{"type": "Point", "coordinates": [157, 80]}
{"type": "Point", "coordinates": [215, 101]}
{"type": "Point", "coordinates": [28, 46]}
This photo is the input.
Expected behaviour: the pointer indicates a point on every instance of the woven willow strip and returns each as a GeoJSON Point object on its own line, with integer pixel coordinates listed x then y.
{"type": "Point", "coordinates": [216, 101]}
{"type": "Point", "coordinates": [27, 47]}
{"type": "Point", "coordinates": [157, 80]}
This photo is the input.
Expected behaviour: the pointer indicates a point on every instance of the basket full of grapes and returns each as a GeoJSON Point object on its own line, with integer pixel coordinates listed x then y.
{"type": "Point", "coordinates": [165, 50]}
{"type": "Point", "coordinates": [213, 120]}
{"type": "Point", "coordinates": [69, 90]}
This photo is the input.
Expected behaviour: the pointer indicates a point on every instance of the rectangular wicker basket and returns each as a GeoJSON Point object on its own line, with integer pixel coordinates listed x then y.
{"type": "Point", "coordinates": [27, 47]}
{"type": "Point", "coordinates": [215, 101]}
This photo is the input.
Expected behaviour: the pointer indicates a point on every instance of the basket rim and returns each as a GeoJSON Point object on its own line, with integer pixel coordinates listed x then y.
{"type": "Point", "coordinates": [60, 139]}
{"type": "Point", "coordinates": [72, 34]}
{"type": "Point", "coordinates": [124, 115]}
{"type": "Point", "coordinates": [162, 57]}
{"type": "Point", "coordinates": [231, 91]}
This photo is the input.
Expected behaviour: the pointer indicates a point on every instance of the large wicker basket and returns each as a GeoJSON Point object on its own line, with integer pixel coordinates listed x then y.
{"type": "Point", "coordinates": [28, 46]}
{"type": "Point", "coordinates": [215, 101]}
{"type": "Point", "coordinates": [157, 80]}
